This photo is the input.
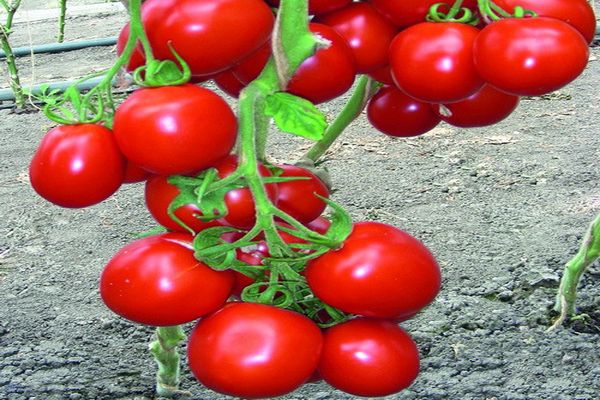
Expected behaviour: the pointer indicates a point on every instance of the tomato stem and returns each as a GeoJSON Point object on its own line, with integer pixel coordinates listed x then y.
{"type": "Point", "coordinates": [365, 89]}
{"type": "Point", "coordinates": [166, 354]}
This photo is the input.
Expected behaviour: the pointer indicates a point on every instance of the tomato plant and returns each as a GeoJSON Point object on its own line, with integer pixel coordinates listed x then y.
{"type": "Point", "coordinates": [368, 357]}
{"type": "Point", "coordinates": [69, 158]}
{"type": "Point", "coordinates": [254, 351]}
{"type": "Point", "coordinates": [299, 198]}
{"type": "Point", "coordinates": [174, 129]}
{"type": "Point", "coordinates": [157, 281]}
{"type": "Point", "coordinates": [380, 271]}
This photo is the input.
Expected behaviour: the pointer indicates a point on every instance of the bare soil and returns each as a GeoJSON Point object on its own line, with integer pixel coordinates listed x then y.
{"type": "Point", "coordinates": [502, 208]}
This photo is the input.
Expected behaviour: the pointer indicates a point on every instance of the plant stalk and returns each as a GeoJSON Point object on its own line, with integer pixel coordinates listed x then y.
{"type": "Point", "coordinates": [166, 354]}
{"type": "Point", "coordinates": [61, 21]}
{"type": "Point", "coordinates": [13, 72]}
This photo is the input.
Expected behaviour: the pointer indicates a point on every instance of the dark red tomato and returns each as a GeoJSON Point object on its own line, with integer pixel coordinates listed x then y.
{"type": "Point", "coordinates": [175, 129]}
{"type": "Point", "coordinates": [134, 173]}
{"type": "Point", "coordinates": [229, 83]}
{"type": "Point", "coordinates": [241, 212]}
{"type": "Point", "coordinates": [394, 113]}
{"type": "Point", "coordinates": [367, 33]}
{"type": "Point", "coordinates": [544, 53]}
{"type": "Point", "coordinates": [298, 198]}
{"type": "Point", "coordinates": [369, 358]}
{"type": "Point", "coordinates": [250, 67]}
{"type": "Point", "coordinates": [197, 28]}
{"type": "Point", "coordinates": [319, 6]}
{"type": "Point", "coordinates": [320, 225]}
{"type": "Point", "coordinates": [241, 280]}
{"type": "Point", "coordinates": [486, 107]}
{"type": "Point", "coordinates": [577, 13]}
{"type": "Point", "coordinates": [313, 79]}
{"type": "Point", "coordinates": [380, 271]}
{"type": "Point", "coordinates": [137, 57]}
{"type": "Point", "coordinates": [77, 165]}
{"type": "Point", "coordinates": [409, 12]}
{"type": "Point", "coordinates": [433, 62]}
{"type": "Point", "coordinates": [254, 351]}
{"type": "Point", "coordinates": [159, 194]}
{"type": "Point", "coordinates": [157, 281]}
{"type": "Point", "coordinates": [383, 75]}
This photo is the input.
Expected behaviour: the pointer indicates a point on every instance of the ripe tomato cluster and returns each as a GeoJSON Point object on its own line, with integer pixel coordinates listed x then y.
{"type": "Point", "coordinates": [273, 314]}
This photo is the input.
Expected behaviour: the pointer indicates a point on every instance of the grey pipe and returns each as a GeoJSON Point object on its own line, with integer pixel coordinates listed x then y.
{"type": "Point", "coordinates": [60, 47]}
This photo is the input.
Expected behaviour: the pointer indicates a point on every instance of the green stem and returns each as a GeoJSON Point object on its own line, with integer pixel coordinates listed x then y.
{"type": "Point", "coordinates": [61, 21]}
{"type": "Point", "coordinates": [364, 90]}
{"type": "Point", "coordinates": [13, 71]}
{"type": "Point", "coordinates": [574, 269]}
{"type": "Point", "coordinates": [165, 352]}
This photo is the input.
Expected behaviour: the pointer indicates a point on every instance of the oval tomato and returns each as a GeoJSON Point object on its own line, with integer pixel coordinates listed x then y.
{"type": "Point", "coordinates": [529, 48]}
{"type": "Point", "coordinates": [298, 198]}
{"type": "Point", "coordinates": [250, 67]}
{"type": "Point", "coordinates": [367, 33]}
{"type": "Point", "coordinates": [380, 271]}
{"type": "Point", "coordinates": [197, 29]}
{"type": "Point", "coordinates": [313, 79]}
{"type": "Point", "coordinates": [433, 62]}
{"type": "Point", "coordinates": [396, 114]}
{"type": "Point", "coordinates": [409, 12]}
{"type": "Point", "coordinates": [77, 165]}
{"type": "Point", "coordinates": [577, 13]}
{"type": "Point", "coordinates": [368, 357]}
{"type": "Point", "coordinates": [175, 129]}
{"type": "Point", "coordinates": [241, 212]}
{"type": "Point", "coordinates": [486, 107]}
{"type": "Point", "coordinates": [383, 75]}
{"type": "Point", "coordinates": [134, 173]}
{"type": "Point", "coordinates": [159, 194]}
{"type": "Point", "coordinates": [157, 281]}
{"type": "Point", "coordinates": [229, 83]}
{"type": "Point", "coordinates": [254, 351]}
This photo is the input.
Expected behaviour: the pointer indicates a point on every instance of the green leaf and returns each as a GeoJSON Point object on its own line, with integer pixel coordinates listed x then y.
{"type": "Point", "coordinates": [295, 115]}
{"type": "Point", "coordinates": [341, 222]}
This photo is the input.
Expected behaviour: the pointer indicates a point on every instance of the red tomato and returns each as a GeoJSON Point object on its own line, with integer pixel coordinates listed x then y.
{"type": "Point", "coordinates": [486, 107]}
{"type": "Point", "coordinates": [313, 79]}
{"type": "Point", "coordinates": [197, 28]}
{"type": "Point", "coordinates": [320, 225]}
{"type": "Point", "coordinates": [241, 280]}
{"type": "Point", "coordinates": [410, 12]}
{"type": "Point", "coordinates": [368, 358]}
{"type": "Point", "coordinates": [380, 271]}
{"type": "Point", "coordinates": [396, 114]}
{"type": "Point", "coordinates": [137, 57]}
{"type": "Point", "coordinates": [544, 53]}
{"type": "Point", "coordinates": [77, 165]}
{"type": "Point", "coordinates": [159, 194]}
{"type": "Point", "coordinates": [367, 33]}
{"type": "Point", "coordinates": [383, 75]}
{"type": "Point", "coordinates": [175, 129]}
{"type": "Point", "coordinates": [229, 83]}
{"type": "Point", "coordinates": [241, 212]}
{"type": "Point", "coordinates": [134, 173]}
{"type": "Point", "coordinates": [254, 351]}
{"type": "Point", "coordinates": [577, 13]}
{"type": "Point", "coordinates": [157, 281]}
{"type": "Point", "coordinates": [319, 6]}
{"type": "Point", "coordinates": [250, 67]}
{"type": "Point", "coordinates": [297, 198]}
{"type": "Point", "coordinates": [433, 62]}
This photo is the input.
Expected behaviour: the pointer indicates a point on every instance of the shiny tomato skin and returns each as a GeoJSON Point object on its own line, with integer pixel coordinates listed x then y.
{"type": "Point", "coordinates": [77, 165]}
{"type": "Point", "coordinates": [229, 83]}
{"type": "Point", "coordinates": [367, 33]}
{"type": "Point", "coordinates": [241, 212]}
{"type": "Point", "coordinates": [486, 107]}
{"type": "Point", "coordinates": [297, 198]}
{"type": "Point", "coordinates": [544, 53]}
{"type": "Point", "coordinates": [313, 79]}
{"type": "Point", "coordinates": [577, 13]}
{"type": "Point", "coordinates": [320, 225]}
{"type": "Point", "coordinates": [159, 194]}
{"type": "Point", "coordinates": [433, 62]}
{"type": "Point", "coordinates": [383, 75]}
{"type": "Point", "coordinates": [137, 58]}
{"type": "Point", "coordinates": [157, 281]}
{"type": "Point", "coordinates": [250, 67]}
{"type": "Point", "coordinates": [197, 28]}
{"type": "Point", "coordinates": [254, 351]}
{"type": "Point", "coordinates": [175, 129]}
{"type": "Point", "coordinates": [369, 358]}
{"type": "Point", "coordinates": [396, 114]}
{"type": "Point", "coordinates": [380, 271]}
{"type": "Point", "coordinates": [409, 12]}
